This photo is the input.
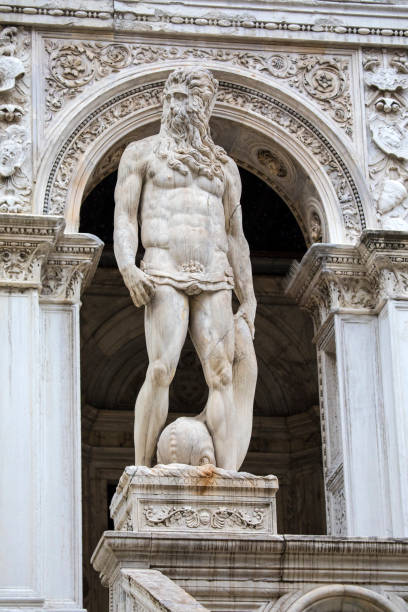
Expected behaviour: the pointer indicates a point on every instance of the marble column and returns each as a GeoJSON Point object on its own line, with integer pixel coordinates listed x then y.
{"type": "Point", "coordinates": [360, 358]}
{"type": "Point", "coordinates": [41, 274]}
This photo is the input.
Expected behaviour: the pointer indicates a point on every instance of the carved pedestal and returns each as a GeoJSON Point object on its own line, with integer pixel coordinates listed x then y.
{"type": "Point", "coordinates": [179, 497]}
{"type": "Point", "coordinates": [198, 505]}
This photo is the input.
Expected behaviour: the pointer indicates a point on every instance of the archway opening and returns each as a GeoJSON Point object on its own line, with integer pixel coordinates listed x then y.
{"type": "Point", "coordinates": [286, 435]}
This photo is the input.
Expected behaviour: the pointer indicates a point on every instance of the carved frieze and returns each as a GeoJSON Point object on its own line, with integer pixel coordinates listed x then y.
{"type": "Point", "coordinates": [386, 86]}
{"type": "Point", "coordinates": [148, 96]}
{"type": "Point", "coordinates": [207, 518]}
{"type": "Point", "coordinates": [15, 158]}
{"type": "Point", "coordinates": [74, 65]}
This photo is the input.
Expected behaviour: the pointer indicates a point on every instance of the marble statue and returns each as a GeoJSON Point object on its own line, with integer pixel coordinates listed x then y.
{"type": "Point", "coordinates": [393, 206]}
{"type": "Point", "coordinates": [185, 192]}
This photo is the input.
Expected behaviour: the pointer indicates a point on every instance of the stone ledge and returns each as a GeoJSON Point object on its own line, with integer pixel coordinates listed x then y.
{"type": "Point", "coordinates": [259, 566]}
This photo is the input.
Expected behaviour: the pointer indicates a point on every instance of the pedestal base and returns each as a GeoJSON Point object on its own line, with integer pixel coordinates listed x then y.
{"type": "Point", "coordinates": [213, 534]}
{"type": "Point", "coordinates": [182, 498]}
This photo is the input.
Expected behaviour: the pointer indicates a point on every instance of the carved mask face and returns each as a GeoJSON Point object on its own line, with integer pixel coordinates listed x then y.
{"type": "Point", "coordinates": [11, 157]}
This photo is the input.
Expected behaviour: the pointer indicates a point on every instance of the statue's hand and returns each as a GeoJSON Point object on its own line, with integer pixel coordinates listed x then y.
{"type": "Point", "coordinates": [247, 311]}
{"type": "Point", "coordinates": [141, 288]}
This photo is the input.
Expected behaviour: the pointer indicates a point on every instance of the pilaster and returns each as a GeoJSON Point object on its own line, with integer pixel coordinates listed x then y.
{"type": "Point", "coordinates": [42, 272]}
{"type": "Point", "coordinates": [358, 299]}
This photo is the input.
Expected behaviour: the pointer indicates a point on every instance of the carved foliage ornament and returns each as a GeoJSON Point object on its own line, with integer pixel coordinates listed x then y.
{"type": "Point", "coordinates": [386, 81]}
{"type": "Point", "coordinates": [211, 518]}
{"type": "Point", "coordinates": [15, 184]}
{"type": "Point", "coordinates": [140, 98]}
{"type": "Point", "coordinates": [74, 65]}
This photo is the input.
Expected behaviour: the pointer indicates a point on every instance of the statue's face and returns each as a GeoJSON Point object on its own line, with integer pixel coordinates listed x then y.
{"type": "Point", "coordinates": [177, 100]}
{"type": "Point", "coordinates": [11, 156]}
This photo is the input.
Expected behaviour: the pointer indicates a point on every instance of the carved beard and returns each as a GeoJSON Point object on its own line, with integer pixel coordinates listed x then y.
{"type": "Point", "coordinates": [186, 143]}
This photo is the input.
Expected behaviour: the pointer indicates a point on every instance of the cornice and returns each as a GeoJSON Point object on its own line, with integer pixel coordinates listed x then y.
{"type": "Point", "coordinates": [302, 20]}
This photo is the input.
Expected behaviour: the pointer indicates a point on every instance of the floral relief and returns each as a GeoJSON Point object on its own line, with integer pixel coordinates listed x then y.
{"type": "Point", "coordinates": [211, 518]}
{"type": "Point", "coordinates": [74, 65]}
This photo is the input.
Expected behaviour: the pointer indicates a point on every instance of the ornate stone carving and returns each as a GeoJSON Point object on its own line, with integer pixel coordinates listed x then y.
{"type": "Point", "coordinates": [204, 518]}
{"type": "Point", "coordinates": [184, 498]}
{"type": "Point", "coordinates": [10, 112]}
{"type": "Point", "coordinates": [387, 102]}
{"type": "Point", "coordinates": [301, 129]}
{"type": "Point", "coordinates": [11, 67]}
{"type": "Point", "coordinates": [392, 206]}
{"type": "Point", "coordinates": [15, 186]}
{"type": "Point", "coordinates": [15, 167]}
{"type": "Point", "coordinates": [74, 65]}
{"type": "Point", "coordinates": [150, 96]}
{"type": "Point", "coordinates": [343, 279]}
{"type": "Point", "coordinates": [69, 267]}
{"type": "Point", "coordinates": [75, 147]}
{"type": "Point", "coordinates": [24, 245]}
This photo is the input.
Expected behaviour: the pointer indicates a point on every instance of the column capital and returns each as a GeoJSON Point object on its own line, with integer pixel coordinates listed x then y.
{"type": "Point", "coordinates": [70, 267]}
{"type": "Point", "coordinates": [334, 278]}
{"type": "Point", "coordinates": [25, 241]}
{"type": "Point", "coordinates": [385, 255]}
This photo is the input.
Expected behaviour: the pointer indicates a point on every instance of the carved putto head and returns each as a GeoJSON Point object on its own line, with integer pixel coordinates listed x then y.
{"type": "Point", "coordinates": [12, 150]}
{"type": "Point", "coordinates": [185, 139]}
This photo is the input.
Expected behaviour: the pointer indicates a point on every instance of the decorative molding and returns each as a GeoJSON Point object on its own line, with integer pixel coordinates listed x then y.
{"type": "Point", "coordinates": [206, 518]}
{"type": "Point", "coordinates": [70, 267]}
{"type": "Point", "coordinates": [24, 245]}
{"type": "Point", "coordinates": [74, 65]}
{"type": "Point", "coordinates": [125, 16]}
{"type": "Point", "coordinates": [386, 93]}
{"type": "Point", "coordinates": [148, 96]}
{"type": "Point", "coordinates": [339, 278]}
{"type": "Point", "coordinates": [15, 146]}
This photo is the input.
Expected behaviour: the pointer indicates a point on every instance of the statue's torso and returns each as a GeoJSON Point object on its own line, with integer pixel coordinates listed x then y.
{"type": "Point", "coordinates": [183, 224]}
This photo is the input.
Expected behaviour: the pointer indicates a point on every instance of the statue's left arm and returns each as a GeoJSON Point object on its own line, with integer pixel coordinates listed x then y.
{"type": "Point", "coordinates": [238, 250]}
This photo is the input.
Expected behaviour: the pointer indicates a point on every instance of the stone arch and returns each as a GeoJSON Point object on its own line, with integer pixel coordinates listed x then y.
{"type": "Point", "coordinates": [336, 597]}
{"type": "Point", "coordinates": [108, 117]}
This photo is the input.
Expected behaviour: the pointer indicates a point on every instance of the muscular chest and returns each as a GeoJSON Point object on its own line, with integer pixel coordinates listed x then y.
{"type": "Point", "coordinates": [161, 177]}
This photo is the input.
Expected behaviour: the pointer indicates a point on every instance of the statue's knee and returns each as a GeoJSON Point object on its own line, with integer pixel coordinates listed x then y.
{"type": "Point", "coordinates": [221, 376]}
{"type": "Point", "coordinates": [160, 374]}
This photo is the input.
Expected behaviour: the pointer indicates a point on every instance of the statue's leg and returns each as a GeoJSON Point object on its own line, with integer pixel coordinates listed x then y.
{"type": "Point", "coordinates": [166, 323]}
{"type": "Point", "coordinates": [212, 332]}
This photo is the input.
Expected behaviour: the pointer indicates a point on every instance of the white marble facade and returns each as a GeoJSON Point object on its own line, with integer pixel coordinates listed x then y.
{"type": "Point", "coordinates": [313, 98]}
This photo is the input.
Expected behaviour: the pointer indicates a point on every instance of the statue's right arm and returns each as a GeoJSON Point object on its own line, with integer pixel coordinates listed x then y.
{"type": "Point", "coordinates": [125, 234]}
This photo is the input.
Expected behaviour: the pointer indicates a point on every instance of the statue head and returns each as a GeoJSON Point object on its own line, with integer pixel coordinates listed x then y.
{"type": "Point", "coordinates": [185, 139]}
{"type": "Point", "coordinates": [192, 90]}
